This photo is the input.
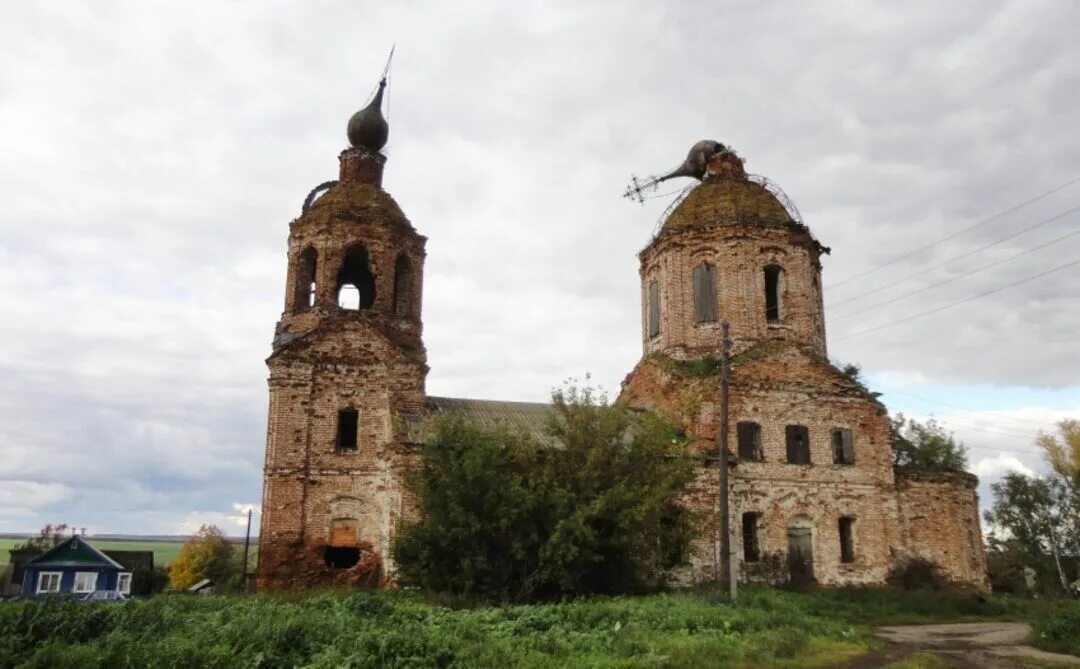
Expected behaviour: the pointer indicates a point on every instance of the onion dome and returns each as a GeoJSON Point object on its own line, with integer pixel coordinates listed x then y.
{"type": "Point", "coordinates": [368, 128]}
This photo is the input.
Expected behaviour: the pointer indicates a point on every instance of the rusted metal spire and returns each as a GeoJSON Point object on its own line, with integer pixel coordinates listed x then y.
{"type": "Point", "coordinates": [368, 127]}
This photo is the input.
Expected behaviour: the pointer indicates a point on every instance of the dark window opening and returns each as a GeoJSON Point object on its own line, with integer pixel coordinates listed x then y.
{"type": "Point", "coordinates": [654, 309]}
{"type": "Point", "coordinates": [772, 293]}
{"type": "Point", "coordinates": [751, 546]}
{"type": "Point", "coordinates": [347, 423]}
{"type": "Point", "coordinates": [355, 282]}
{"type": "Point", "coordinates": [401, 286]}
{"type": "Point", "coordinates": [847, 541]}
{"type": "Point", "coordinates": [843, 447]}
{"type": "Point", "coordinates": [304, 295]}
{"type": "Point", "coordinates": [705, 293]}
{"type": "Point", "coordinates": [341, 557]}
{"type": "Point", "coordinates": [750, 441]}
{"type": "Point", "coordinates": [798, 444]}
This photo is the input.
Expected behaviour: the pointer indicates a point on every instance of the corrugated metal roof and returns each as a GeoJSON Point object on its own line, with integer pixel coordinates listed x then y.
{"type": "Point", "coordinates": [528, 417]}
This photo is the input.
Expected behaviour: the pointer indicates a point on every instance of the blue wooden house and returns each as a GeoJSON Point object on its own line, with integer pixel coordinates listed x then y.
{"type": "Point", "coordinates": [75, 568]}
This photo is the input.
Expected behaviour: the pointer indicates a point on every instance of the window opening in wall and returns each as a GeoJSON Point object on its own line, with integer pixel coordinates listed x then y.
{"type": "Point", "coordinates": [705, 293]}
{"type": "Point", "coordinates": [772, 293]}
{"type": "Point", "coordinates": [85, 581]}
{"type": "Point", "coordinates": [749, 435]}
{"type": "Point", "coordinates": [123, 583]}
{"type": "Point", "coordinates": [750, 542]}
{"type": "Point", "coordinates": [348, 422]}
{"type": "Point", "coordinates": [402, 272]}
{"type": "Point", "coordinates": [306, 265]}
{"type": "Point", "coordinates": [798, 444]}
{"type": "Point", "coordinates": [355, 282]}
{"type": "Point", "coordinates": [843, 447]}
{"type": "Point", "coordinates": [49, 581]}
{"type": "Point", "coordinates": [847, 539]}
{"type": "Point", "coordinates": [654, 309]}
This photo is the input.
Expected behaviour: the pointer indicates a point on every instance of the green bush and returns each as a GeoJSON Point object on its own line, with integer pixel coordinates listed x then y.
{"type": "Point", "coordinates": [1058, 628]}
{"type": "Point", "coordinates": [594, 511]}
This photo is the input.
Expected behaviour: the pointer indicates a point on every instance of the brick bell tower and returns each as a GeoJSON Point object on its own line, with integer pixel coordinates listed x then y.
{"type": "Point", "coordinates": [347, 372]}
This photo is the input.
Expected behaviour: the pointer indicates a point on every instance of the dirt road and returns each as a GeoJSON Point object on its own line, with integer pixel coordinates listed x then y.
{"type": "Point", "coordinates": [964, 645]}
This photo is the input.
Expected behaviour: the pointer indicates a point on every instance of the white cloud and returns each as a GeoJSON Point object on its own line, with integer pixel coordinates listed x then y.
{"type": "Point", "coordinates": [997, 466]}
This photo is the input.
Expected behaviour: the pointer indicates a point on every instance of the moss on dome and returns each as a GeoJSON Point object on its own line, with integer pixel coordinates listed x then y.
{"type": "Point", "coordinates": [727, 201]}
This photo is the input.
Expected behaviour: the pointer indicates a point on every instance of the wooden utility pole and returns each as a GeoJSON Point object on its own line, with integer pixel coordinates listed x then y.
{"type": "Point", "coordinates": [726, 569]}
{"type": "Point", "coordinates": [247, 542]}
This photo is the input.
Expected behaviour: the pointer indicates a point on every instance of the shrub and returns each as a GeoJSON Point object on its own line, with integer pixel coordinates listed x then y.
{"type": "Point", "coordinates": [596, 511]}
{"type": "Point", "coordinates": [916, 573]}
{"type": "Point", "coordinates": [1058, 629]}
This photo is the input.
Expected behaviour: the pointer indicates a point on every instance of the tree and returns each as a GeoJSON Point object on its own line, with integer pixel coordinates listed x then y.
{"type": "Point", "coordinates": [594, 510]}
{"type": "Point", "coordinates": [208, 554]}
{"type": "Point", "coordinates": [1039, 517]}
{"type": "Point", "coordinates": [47, 537]}
{"type": "Point", "coordinates": [925, 446]}
{"type": "Point", "coordinates": [1063, 455]}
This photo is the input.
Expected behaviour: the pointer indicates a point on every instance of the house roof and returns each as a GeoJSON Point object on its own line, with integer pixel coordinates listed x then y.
{"type": "Point", "coordinates": [73, 552]}
{"type": "Point", "coordinates": [527, 417]}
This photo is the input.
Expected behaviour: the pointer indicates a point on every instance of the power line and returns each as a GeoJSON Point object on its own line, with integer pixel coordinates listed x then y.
{"type": "Point", "coordinates": [959, 302]}
{"type": "Point", "coordinates": [955, 258]}
{"type": "Point", "coordinates": [956, 278]}
{"type": "Point", "coordinates": [960, 408]}
{"type": "Point", "coordinates": [1003, 430]}
{"type": "Point", "coordinates": [956, 234]}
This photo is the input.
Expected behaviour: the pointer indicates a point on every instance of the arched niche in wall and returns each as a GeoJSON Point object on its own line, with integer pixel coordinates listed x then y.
{"type": "Point", "coordinates": [402, 286]}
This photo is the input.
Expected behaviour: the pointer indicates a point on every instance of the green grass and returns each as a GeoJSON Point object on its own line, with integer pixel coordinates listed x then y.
{"type": "Point", "coordinates": [399, 629]}
{"type": "Point", "coordinates": [164, 551]}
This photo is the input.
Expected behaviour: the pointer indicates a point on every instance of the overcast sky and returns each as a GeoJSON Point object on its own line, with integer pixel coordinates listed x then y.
{"type": "Point", "coordinates": [153, 154]}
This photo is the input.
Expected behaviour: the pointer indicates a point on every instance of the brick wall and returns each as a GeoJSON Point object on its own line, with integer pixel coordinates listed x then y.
{"type": "Point", "coordinates": [939, 521]}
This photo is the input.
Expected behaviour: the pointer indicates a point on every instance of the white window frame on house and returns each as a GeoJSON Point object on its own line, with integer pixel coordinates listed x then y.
{"type": "Point", "coordinates": [93, 583]}
{"type": "Point", "coordinates": [123, 583]}
{"type": "Point", "coordinates": [41, 581]}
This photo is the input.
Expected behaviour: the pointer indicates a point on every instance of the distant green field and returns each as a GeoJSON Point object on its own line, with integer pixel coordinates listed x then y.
{"type": "Point", "coordinates": [164, 551]}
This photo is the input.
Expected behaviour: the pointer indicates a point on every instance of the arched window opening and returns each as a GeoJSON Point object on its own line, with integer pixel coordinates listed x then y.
{"type": "Point", "coordinates": [653, 309]}
{"type": "Point", "coordinates": [773, 274]}
{"type": "Point", "coordinates": [798, 444]}
{"type": "Point", "coordinates": [402, 286]}
{"type": "Point", "coordinates": [355, 282]}
{"type": "Point", "coordinates": [847, 539]}
{"type": "Point", "coordinates": [306, 264]}
{"type": "Point", "coordinates": [751, 524]}
{"type": "Point", "coordinates": [705, 293]}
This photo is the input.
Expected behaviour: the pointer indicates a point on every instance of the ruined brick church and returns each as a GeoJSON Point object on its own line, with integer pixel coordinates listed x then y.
{"type": "Point", "coordinates": [811, 475]}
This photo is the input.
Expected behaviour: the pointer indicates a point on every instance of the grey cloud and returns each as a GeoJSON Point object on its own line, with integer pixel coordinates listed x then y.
{"type": "Point", "coordinates": [153, 158]}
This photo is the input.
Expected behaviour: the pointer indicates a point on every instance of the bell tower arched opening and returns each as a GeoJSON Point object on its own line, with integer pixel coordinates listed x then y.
{"type": "Point", "coordinates": [355, 281]}
{"type": "Point", "coordinates": [304, 289]}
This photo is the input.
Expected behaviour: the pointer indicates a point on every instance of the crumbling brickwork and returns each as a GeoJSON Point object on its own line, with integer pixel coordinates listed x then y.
{"type": "Point", "coordinates": [939, 521]}
{"type": "Point", "coordinates": [330, 508]}
{"type": "Point", "coordinates": [813, 476]}
{"type": "Point", "coordinates": [845, 511]}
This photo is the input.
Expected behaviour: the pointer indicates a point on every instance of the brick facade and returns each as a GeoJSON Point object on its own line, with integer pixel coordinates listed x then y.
{"type": "Point", "coordinates": [329, 513]}
{"type": "Point", "coordinates": [781, 377]}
